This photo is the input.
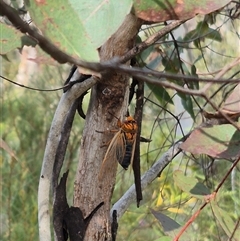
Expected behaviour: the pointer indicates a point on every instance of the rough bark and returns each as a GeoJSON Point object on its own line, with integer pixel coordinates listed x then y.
{"type": "Point", "coordinates": [109, 95]}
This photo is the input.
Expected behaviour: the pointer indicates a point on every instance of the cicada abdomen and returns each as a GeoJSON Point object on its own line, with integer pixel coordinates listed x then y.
{"type": "Point", "coordinates": [122, 146]}
{"type": "Point", "coordinates": [128, 156]}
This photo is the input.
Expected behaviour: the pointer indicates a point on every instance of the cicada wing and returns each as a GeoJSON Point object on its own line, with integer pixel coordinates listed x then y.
{"type": "Point", "coordinates": [115, 151]}
{"type": "Point", "coordinates": [133, 149]}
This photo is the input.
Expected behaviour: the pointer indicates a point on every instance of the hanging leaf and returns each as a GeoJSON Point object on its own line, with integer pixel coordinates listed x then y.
{"type": "Point", "coordinates": [194, 84]}
{"type": "Point", "coordinates": [201, 32]}
{"type": "Point", "coordinates": [190, 185]}
{"type": "Point", "coordinates": [170, 226]}
{"type": "Point", "coordinates": [225, 221]}
{"type": "Point", "coordinates": [162, 10]}
{"type": "Point", "coordinates": [166, 222]}
{"type": "Point", "coordinates": [186, 101]}
{"type": "Point", "coordinates": [218, 141]}
{"type": "Point", "coordinates": [160, 93]}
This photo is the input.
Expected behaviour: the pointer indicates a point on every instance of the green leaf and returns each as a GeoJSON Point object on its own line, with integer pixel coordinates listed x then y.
{"type": "Point", "coordinates": [160, 93]}
{"type": "Point", "coordinates": [201, 32]}
{"type": "Point", "coordinates": [79, 27]}
{"type": "Point", "coordinates": [162, 10]}
{"type": "Point", "coordinates": [186, 101]}
{"type": "Point", "coordinates": [195, 84]}
{"type": "Point", "coordinates": [204, 31]}
{"type": "Point", "coordinates": [218, 141]}
{"type": "Point", "coordinates": [141, 58]}
{"type": "Point", "coordinates": [171, 65]}
{"type": "Point", "coordinates": [146, 52]}
{"type": "Point", "coordinates": [170, 226]}
{"type": "Point", "coordinates": [214, 35]}
{"type": "Point", "coordinates": [225, 220]}
{"type": "Point", "coordinates": [12, 39]}
{"type": "Point", "coordinates": [165, 238]}
{"type": "Point", "coordinates": [190, 185]}
{"type": "Point", "coordinates": [167, 223]}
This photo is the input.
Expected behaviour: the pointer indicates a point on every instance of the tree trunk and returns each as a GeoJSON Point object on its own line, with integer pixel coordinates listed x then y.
{"type": "Point", "coordinates": [108, 96]}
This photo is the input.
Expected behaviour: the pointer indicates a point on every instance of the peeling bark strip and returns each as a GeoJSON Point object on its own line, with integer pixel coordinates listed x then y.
{"type": "Point", "coordinates": [114, 226]}
{"type": "Point", "coordinates": [69, 221]}
{"type": "Point", "coordinates": [76, 225]}
{"type": "Point", "coordinates": [60, 208]}
{"type": "Point", "coordinates": [136, 160]}
{"type": "Point", "coordinates": [110, 94]}
{"type": "Point", "coordinates": [68, 85]}
{"type": "Point", "coordinates": [62, 146]}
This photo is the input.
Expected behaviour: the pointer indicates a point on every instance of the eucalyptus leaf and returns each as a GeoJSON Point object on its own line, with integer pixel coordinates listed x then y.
{"type": "Point", "coordinates": [79, 28]}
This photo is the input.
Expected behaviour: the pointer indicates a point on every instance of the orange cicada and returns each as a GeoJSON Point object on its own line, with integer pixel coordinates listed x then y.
{"type": "Point", "coordinates": [122, 146]}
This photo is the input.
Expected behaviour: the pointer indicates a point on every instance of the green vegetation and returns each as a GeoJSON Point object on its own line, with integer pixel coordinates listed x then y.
{"type": "Point", "coordinates": [26, 117]}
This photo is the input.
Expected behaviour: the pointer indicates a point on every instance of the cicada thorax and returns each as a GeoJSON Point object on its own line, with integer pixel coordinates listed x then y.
{"type": "Point", "coordinates": [129, 125]}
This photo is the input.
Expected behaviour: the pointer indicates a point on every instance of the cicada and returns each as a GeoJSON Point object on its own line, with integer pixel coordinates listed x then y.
{"type": "Point", "coordinates": [121, 147]}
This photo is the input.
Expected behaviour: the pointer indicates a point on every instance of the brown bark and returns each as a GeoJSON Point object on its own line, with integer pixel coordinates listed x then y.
{"type": "Point", "coordinates": [110, 95]}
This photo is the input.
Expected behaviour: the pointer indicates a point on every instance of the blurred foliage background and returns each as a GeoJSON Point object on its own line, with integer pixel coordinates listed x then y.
{"type": "Point", "coordinates": [26, 118]}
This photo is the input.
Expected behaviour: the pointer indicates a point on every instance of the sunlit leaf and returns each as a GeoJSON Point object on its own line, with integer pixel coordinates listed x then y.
{"type": "Point", "coordinates": [176, 210]}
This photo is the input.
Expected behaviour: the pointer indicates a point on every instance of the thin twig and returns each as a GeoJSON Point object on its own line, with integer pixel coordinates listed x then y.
{"type": "Point", "coordinates": [209, 197]}
{"type": "Point", "coordinates": [123, 203]}
{"type": "Point", "coordinates": [225, 69]}
{"type": "Point", "coordinates": [234, 230]}
{"type": "Point", "coordinates": [151, 40]}
{"type": "Point", "coordinates": [31, 88]}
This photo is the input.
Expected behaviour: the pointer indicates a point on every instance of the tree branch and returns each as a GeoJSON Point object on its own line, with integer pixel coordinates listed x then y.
{"type": "Point", "coordinates": [50, 151]}
{"type": "Point", "coordinates": [123, 203]}
{"type": "Point", "coordinates": [151, 40]}
{"type": "Point", "coordinates": [113, 64]}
